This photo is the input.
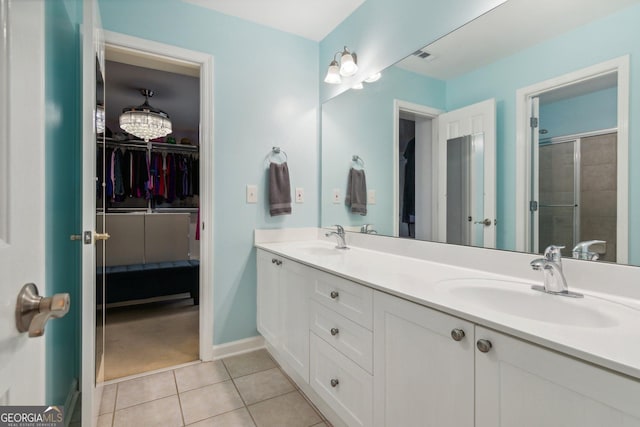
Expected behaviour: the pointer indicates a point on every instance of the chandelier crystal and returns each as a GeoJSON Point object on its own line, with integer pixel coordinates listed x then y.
{"type": "Point", "coordinates": [145, 121]}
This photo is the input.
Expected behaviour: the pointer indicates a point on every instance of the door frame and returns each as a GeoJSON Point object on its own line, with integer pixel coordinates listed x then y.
{"type": "Point", "coordinates": [523, 148]}
{"type": "Point", "coordinates": [205, 61]}
{"type": "Point", "coordinates": [422, 111]}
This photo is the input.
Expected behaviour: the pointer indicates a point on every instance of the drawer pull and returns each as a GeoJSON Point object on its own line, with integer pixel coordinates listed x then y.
{"type": "Point", "coordinates": [334, 382]}
{"type": "Point", "coordinates": [457, 334]}
{"type": "Point", "coordinates": [273, 260]}
{"type": "Point", "coordinates": [334, 331]}
{"type": "Point", "coordinates": [484, 345]}
{"type": "Point", "coordinates": [334, 294]}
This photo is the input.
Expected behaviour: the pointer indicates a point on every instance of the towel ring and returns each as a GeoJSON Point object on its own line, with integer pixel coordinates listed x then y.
{"type": "Point", "coordinates": [358, 160]}
{"type": "Point", "coordinates": [275, 151]}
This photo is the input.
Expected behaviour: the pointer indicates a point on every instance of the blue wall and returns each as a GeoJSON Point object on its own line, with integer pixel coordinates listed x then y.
{"type": "Point", "coordinates": [265, 94]}
{"type": "Point", "coordinates": [593, 111]}
{"type": "Point", "coordinates": [382, 32]}
{"type": "Point", "coordinates": [63, 189]}
{"type": "Point", "coordinates": [361, 122]}
{"type": "Point", "coordinates": [607, 38]}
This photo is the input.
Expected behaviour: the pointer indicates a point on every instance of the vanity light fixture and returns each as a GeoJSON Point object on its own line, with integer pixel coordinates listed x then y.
{"type": "Point", "coordinates": [144, 121]}
{"type": "Point", "coordinates": [357, 86]}
{"type": "Point", "coordinates": [347, 66]}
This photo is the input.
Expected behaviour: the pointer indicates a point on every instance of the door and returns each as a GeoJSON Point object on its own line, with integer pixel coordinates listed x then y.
{"type": "Point", "coordinates": [22, 208]}
{"type": "Point", "coordinates": [268, 295]}
{"type": "Point", "coordinates": [519, 384]}
{"type": "Point", "coordinates": [92, 55]}
{"type": "Point", "coordinates": [423, 366]}
{"type": "Point", "coordinates": [477, 121]}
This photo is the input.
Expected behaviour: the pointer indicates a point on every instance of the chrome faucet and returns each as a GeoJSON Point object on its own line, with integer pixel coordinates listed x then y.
{"type": "Point", "coordinates": [368, 229]}
{"type": "Point", "coordinates": [583, 250]}
{"type": "Point", "coordinates": [551, 267]}
{"type": "Point", "coordinates": [339, 233]}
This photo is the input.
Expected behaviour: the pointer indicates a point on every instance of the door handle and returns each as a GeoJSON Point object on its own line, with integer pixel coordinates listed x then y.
{"type": "Point", "coordinates": [33, 311]}
{"type": "Point", "coordinates": [101, 236]}
{"type": "Point", "coordinates": [486, 222]}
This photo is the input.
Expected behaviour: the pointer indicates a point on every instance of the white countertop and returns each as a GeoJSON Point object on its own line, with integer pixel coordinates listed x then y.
{"type": "Point", "coordinates": [614, 347]}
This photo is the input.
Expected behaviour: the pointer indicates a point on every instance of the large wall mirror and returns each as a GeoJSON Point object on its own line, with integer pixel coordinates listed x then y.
{"type": "Point", "coordinates": [513, 132]}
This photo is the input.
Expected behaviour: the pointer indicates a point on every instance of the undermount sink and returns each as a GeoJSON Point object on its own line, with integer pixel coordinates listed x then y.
{"type": "Point", "coordinates": [321, 250]}
{"type": "Point", "coordinates": [518, 299]}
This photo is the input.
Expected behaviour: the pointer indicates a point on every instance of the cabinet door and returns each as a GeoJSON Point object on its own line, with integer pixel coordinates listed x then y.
{"type": "Point", "coordinates": [422, 376]}
{"type": "Point", "coordinates": [295, 286]}
{"type": "Point", "coordinates": [268, 311]}
{"type": "Point", "coordinates": [519, 384]}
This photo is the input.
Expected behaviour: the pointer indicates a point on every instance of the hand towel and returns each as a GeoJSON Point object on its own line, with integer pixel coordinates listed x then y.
{"type": "Point", "coordinates": [279, 189]}
{"type": "Point", "coordinates": [356, 197]}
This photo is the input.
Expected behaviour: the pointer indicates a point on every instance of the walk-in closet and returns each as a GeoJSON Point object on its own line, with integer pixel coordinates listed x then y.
{"type": "Point", "coordinates": [148, 200]}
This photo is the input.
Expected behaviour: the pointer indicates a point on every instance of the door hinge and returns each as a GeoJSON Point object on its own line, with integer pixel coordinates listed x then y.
{"type": "Point", "coordinates": [533, 206]}
{"type": "Point", "coordinates": [533, 122]}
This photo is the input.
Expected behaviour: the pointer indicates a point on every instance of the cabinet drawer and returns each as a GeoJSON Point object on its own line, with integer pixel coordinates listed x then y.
{"type": "Point", "coordinates": [345, 386]}
{"type": "Point", "coordinates": [352, 300]}
{"type": "Point", "coordinates": [351, 339]}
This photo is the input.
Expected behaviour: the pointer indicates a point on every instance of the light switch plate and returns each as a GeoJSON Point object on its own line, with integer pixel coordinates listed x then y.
{"type": "Point", "coordinates": [252, 194]}
{"type": "Point", "coordinates": [371, 197]}
{"type": "Point", "coordinates": [336, 195]}
{"type": "Point", "coordinates": [299, 195]}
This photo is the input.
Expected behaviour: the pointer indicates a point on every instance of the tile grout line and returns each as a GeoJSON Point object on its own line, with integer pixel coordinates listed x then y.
{"type": "Point", "coordinates": [175, 382]}
{"type": "Point", "coordinates": [246, 408]}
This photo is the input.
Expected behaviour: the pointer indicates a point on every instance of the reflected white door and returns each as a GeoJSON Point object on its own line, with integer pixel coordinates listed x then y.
{"type": "Point", "coordinates": [474, 120]}
{"type": "Point", "coordinates": [22, 208]}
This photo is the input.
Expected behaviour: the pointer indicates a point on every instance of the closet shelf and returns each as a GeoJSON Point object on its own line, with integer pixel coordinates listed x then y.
{"type": "Point", "coordinates": [153, 145]}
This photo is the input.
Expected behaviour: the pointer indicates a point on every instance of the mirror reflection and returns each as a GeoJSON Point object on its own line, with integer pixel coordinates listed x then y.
{"type": "Point", "coordinates": [499, 134]}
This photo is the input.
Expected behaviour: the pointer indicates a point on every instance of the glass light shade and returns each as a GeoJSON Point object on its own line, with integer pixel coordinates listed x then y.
{"type": "Point", "coordinates": [357, 86]}
{"type": "Point", "coordinates": [373, 78]}
{"type": "Point", "coordinates": [145, 124]}
{"type": "Point", "coordinates": [348, 66]}
{"type": "Point", "coordinates": [333, 74]}
{"type": "Point", "coordinates": [100, 119]}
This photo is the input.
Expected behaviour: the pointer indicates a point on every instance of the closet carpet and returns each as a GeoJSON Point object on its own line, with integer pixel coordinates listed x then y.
{"type": "Point", "coordinates": [147, 337]}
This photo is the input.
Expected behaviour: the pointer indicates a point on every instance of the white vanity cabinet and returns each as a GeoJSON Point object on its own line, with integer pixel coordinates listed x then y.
{"type": "Point", "coordinates": [423, 366]}
{"type": "Point", "coordinates": [283, 308]}
{"type": "Point", "coordinates": [521, 384]}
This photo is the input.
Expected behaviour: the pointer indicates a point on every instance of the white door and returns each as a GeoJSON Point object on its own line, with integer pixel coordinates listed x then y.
{"type": "Point", "coordinates": [423, 366]}
{"type": "Point", "coordinates": [519, 384]}
{"type": "Point", "coordinates": [22, 208]}
{"type": "Point", "coordinates": [268, 295]}
{"type": "Point", "coordinates": [92, 54]}
{"type": "Point", "coordinates": [479, 122]}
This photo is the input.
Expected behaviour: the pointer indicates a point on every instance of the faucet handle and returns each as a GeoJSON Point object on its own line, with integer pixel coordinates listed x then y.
{"type": "Point", "coordinates": [553, 253]}
{"type": "Point", "coordinates": [340, 229]}
{"type": "Point", "coordinates": [583, 250]}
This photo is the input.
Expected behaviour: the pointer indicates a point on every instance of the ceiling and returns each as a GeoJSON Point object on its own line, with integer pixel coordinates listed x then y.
{"type": "Point", "coordinates": [176, 94]}
{"type": "Point", "coordinates": [466, 48]}
{"type": "Point", "coordinates": [311, 19]}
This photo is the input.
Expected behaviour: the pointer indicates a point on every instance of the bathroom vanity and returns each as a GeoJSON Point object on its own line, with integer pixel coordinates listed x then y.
{"type": "Point", "coordinates": [382, 339]}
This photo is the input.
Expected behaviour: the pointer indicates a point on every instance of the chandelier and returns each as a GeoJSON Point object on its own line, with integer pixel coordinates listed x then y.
{"type": "Point", "coordinates": [145, 121]}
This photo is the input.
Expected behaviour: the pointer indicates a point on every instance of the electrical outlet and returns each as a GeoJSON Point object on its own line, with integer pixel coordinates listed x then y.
{"type": "Point", "coordinates": [299, 195]}
{"type": "Point", "coordinates": [336, 195]}
{"type": "Point", "coordinates": [252, 194]}
{"type": "Point", "coordinates": [371, 197]}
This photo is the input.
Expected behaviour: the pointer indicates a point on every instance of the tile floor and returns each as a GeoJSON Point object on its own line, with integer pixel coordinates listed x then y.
{"type": "Point", "coordinates": [245, 390]}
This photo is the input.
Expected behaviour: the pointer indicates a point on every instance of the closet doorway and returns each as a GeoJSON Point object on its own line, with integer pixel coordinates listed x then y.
{"type": "Point", "coordinates": [151, 200]}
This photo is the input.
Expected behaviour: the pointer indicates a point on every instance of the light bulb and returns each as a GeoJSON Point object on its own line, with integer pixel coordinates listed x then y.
{"type": "Point", "coordinates": [373, 78]}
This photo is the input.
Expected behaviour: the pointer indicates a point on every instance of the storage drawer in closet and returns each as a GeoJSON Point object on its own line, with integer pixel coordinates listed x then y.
{"type": "Point", "coordinates": [351, 339]}
{"type": "Point", "coordinates": [350, 299]}
{"type": "Point", "coordinates": [345, 386]}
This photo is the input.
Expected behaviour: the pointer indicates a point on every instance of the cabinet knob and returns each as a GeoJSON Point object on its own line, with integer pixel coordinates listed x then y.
{"type": "Point", "coordinates": [278, 262]}
{"type": "Point", "coordinates": [334, 331]}
{"type": "Point", "coordinates": [334, 382]}
{"type": "Point", "coordinates": [273, 260]}
{"type": "Point", "coordinates": [484, 345]}
{"type": "Point", "coordinates": [457, 334]}
{"type": "Point", "coordinates": [334, 294]}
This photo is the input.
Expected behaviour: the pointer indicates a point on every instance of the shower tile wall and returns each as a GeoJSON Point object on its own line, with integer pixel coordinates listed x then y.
{"type": "Point", "coordinates": [556, 187]}
{"type": "Point", "coordinates": [598, 193]}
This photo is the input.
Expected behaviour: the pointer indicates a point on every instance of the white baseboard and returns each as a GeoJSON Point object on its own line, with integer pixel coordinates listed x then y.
{"type": "Point", "coordinates": [70, 401]}
{"type": "Point", "coordinates": [237, 347]}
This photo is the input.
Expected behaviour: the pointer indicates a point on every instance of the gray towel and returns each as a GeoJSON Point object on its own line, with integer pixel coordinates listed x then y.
{"type": "Point", "coordinates": [279, 189]}
{"type": "Point", "coordinates": [356, 197]}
